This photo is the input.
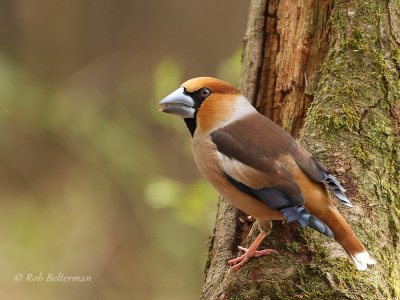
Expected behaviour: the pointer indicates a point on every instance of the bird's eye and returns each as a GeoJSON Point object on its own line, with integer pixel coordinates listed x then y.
{"type": "Point", "coordinates": [205, 92]}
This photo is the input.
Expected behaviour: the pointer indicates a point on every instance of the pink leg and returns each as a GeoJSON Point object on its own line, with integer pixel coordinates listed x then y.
{"type": "Point", "coordinates": [250, 252]}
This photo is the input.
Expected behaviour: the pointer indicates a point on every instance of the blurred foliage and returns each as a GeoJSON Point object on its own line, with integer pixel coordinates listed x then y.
{"type": "Point", "coordinates": [229, 68]}
{"type": "Point", "coordinates": [94, 180]}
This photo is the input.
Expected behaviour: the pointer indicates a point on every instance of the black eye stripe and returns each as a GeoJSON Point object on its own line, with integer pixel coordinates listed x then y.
{"type": "Point", "coordinates": [199, 96]}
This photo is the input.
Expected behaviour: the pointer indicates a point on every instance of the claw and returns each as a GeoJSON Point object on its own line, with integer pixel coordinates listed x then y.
{"type": "Point", "coordinates": [250, 252]}
{"type": "Point", "coordinates": [243, 259]}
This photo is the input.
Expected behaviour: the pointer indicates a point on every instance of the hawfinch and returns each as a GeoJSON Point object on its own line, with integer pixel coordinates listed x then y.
{"type": "Point", "coordinates": [258, 167]}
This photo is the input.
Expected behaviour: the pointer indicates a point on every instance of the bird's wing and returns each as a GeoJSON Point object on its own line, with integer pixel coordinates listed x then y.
{"type": "Point", "coordinates": [258, 142]}
{"type": "Point", "coordinates": [260, 171]}
{"type": "Point", "coordinates": [255, 170]}
{"type": "Point", "coordinates": [318, 173]}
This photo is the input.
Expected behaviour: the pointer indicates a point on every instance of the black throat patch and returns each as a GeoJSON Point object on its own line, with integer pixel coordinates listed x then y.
{"type": "Point", "coordinates": [191, 124]}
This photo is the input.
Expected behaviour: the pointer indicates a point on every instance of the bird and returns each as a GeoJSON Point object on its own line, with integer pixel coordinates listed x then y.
{"type": "Point", "coordinates": [259, 167]}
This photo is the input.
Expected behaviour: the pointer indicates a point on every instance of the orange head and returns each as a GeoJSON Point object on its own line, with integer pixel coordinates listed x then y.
{"type": "Point", "coordinates": [205, 103]}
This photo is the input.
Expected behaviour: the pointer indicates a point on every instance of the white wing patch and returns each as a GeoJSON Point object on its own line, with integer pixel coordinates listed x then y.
{"type": "Point", "coordinates": [242, 172]}
{"type": "Point", "coordinates": [232, 167]}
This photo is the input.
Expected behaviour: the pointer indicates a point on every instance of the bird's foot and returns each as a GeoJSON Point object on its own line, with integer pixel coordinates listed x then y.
{"type": "Point", "coordinates": [240, 261]}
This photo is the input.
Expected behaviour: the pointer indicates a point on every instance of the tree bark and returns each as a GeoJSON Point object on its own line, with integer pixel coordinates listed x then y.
{"type": "Point", "coordinates": [329, 73]}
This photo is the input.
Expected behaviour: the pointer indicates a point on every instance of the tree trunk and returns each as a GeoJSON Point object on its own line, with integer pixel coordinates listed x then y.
{"type": "Point", "coordinates": [329, 73]}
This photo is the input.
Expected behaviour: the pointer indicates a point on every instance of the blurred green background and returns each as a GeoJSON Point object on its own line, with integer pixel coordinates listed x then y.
{"type": "Point", "coordinates": [94, 181]}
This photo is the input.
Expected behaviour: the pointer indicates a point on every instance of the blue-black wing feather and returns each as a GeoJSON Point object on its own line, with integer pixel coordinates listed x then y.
{"type": "Point", "coordinates": [277, 200]}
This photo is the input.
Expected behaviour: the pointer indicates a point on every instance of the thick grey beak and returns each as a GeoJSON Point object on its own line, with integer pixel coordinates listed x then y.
{"type": "Point", "coordinates": [178, 103]}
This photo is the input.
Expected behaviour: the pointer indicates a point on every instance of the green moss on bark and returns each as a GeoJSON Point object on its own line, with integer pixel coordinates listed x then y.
{"type": "Point", "coordinates": [351, 116]}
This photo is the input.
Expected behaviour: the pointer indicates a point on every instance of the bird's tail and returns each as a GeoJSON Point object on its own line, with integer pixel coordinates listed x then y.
{"type": "Point", "coordinates": [347, 239]}
{"type": "Point", "coordinates": [332, 224]}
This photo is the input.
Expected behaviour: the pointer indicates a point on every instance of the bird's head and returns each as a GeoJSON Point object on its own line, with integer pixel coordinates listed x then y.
{"type": "Point", "coordinates": [205, 103]}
